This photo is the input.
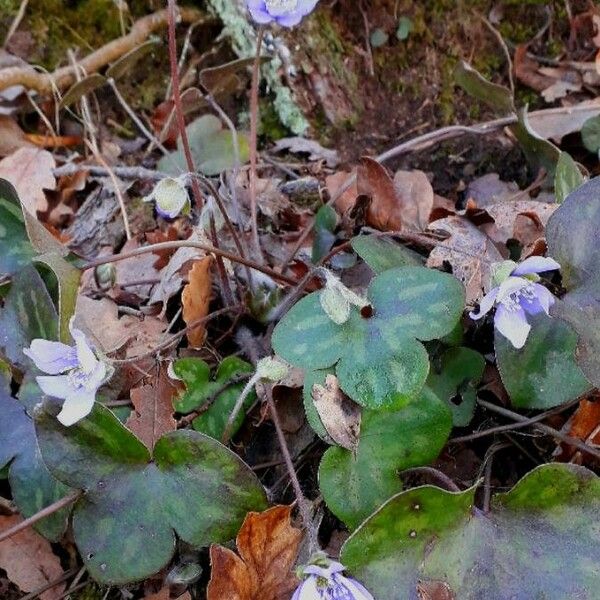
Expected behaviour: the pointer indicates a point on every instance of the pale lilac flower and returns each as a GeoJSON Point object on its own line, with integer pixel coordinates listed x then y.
{"type": "Point", "coordinates": [170, 197]}
{"type": "Point", "coordinates": [74, 374]}
{"type": "Point", "coordinates": [324, 581]}
{"type": "Point", "coordinates": [283, 12]}
{"type": "Point", "coordinates": [517, 295]}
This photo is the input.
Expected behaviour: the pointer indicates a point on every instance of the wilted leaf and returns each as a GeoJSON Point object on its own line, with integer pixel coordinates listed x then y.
{"type": "Point", "coordinates": [29, 561]}
{"type": "Point", "coordinates": [430, 534]}
{"type": "Point", "coordinates": [468, 251]}
{"type": "Point", "coordinates": [374, 181]}
{"type": "Point", "coordinates": [567, 178]}
{"type": "Point", "coordinates": [79, 89]}
{"type": "Point", "coordinates": [124, 64]}
{"type": "Point", "coordinates": [415, 198]}
{"type": "Point", "coordinates": [340, 415]}
{"type": "Point", "coordinates": [268, 546]}
{"type": "Point", "coordinates": [300, 145]}
{"type": "Point", "coordinates": [152, 414]}
{"type": "Point", "coordinates": [30, 172]}
{"type": "Point", "coordinates": [195, 299]}
{"type": "Point", "coordinates": [496, 96]}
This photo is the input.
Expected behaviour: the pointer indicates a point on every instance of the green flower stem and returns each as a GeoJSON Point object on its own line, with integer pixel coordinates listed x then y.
{"type": "Point", "coordinates": [238, 405]}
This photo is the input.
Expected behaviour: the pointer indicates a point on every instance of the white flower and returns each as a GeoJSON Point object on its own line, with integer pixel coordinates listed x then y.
{"type": "Point", "coordinates": [74, 374]}
{"type": "Point", "coordinates": [324, 581]}
{"type": "Point", "coordinates": [170, 197]}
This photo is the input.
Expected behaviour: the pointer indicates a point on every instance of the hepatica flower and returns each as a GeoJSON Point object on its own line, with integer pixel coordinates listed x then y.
{"type": "Point", "coordinates": [517, 295]}
{"type": "Point", "coordinates": [283, 12]}
{"type": "Point", "coordinates": [323, 580]}
{"type": "Point", "coordinates": [74, 374]}
{"type": "Point", "coordinates": [170, 198]}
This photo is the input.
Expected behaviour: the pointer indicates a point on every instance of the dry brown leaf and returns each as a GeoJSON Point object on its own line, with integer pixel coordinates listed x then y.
{"type": "Point", "coordinates": [347, 199]}
{"type": "Point", "coordinates": [165, 594]}
{"type": "Point", "coordinates": [340, 416]}
{"type": "Point", "coordinates": [152, 414]}
{"type": "Point", "coordinates": [12, 137]}
{"type": "Point", "coordinates": [434, 590]}
{"type": "Point", "coordinates": [586, 422]}
{"type": "Point", "coordinates": [268, 546]}
{"type": "Point", "coordinates": [385, 211]}
{"type": "Point", "coordinates": [195, 299]}
{"type": "Point", "coordinates": [469, 252]}
{"type": "Point", "coordinates": [157, 237]}
{"type": "Point", "coordinates": [138, 268]}
{"type": "Point", "coordinates": [527, 70]}
{"type": "Point", "coordinates": [415, 197]}
{"type": "Point", "coordinates": [30, 171]}
{"type": "Point", "coordinates": [29, 561]}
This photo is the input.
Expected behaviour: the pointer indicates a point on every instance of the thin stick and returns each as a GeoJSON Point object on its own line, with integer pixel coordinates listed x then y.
{"type": "Point", "coordinates": [16, 22]}
{"type": "Point", "coordinates": [567, 439]}
{"type": "Point", "coordinates": [254, 142]}
{"type": "Point", "coordinates": [115, 183]}
{"type": "Point", "coordinates": [302, 502]}
{"type": "Point", "coordinates": [122, 172]}
{"type": "Point", "coordinates": [104, 260]}
{"type": "Point", "coordinates": [179, 114]}
{"type": "Point", "coordinates": [487, 478]}
{"type": "Point", "coordinates": [506, 51]}
{"type": "Point", "coordinates": [436, 474]}
{"type": "Point", "coordinates": [45, 512]}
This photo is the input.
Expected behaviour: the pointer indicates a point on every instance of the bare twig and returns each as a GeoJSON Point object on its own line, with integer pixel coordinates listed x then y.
{"type": "Point", "coordinates": [140, 173]}
{"type": "Point", "coordinates": [62, 78]}
{"type": "Point", "coordinates": [45, 512]}
{"type": "Point", "coordinates": [506, 51]}
{"type": "Point", "coordinates": [16, 22]}
{"type": "Point", "coordinates": [436, 474]}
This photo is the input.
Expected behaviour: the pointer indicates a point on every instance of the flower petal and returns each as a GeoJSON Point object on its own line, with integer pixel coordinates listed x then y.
{"type": "Point", "coordinates": [486, 304]}
{"type": "Point", "coordinates": [542, 301]}
{"type": "Point", "coordinates": [77, 406]}
{"type": "Point", "coordinates": [290, 20]}
{"type": "Point", "coordinates": [85, 354]}
{"type": "Point", "coordinates": [536, 264]}
{"type": "Point", "coordinates": [325, 572]}
{"type": "Point", "coordinates": [306, 6]}
{"type": "Point", "coordinates": [57, 386]}
{"type": "Point", "coordinates": [513, 325]}
{"type": "Point", "coordinates": [52, 357]}
{"type": "Point", "coordinates": [356, 590]}
{"type": "Point", "coordinates": [308, 590]}
{"type": "Point", "coordinates": [259, 12]}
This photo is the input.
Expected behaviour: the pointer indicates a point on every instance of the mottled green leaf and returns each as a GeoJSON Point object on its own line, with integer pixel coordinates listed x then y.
{"type": "Point", "coordinates": [31, 484]}
{"type": "Point", "coordinates": [590, 134]}
{"type": "Point", "coordinates": [353, 486]}
{"type": "Point", "coordinates": [325, 224]}
{"type": "Point", "coordinates": [572, 235]}
{"type": "Point", "coordinates": [496, 96]}
{"type": "Point", "coordinates": [540, 540]}
{"type": "Point", "coordinates": [134, 504]}
{"type": "Point", "coordinates": [15, 249]}
{"type": "Point", "coordinates": [454, 378]}
{"type": "Point", "coordinates": [200, 389]}
{"type": "Point", "coordinates": [378, 359]}
{"type": "Point", "coordinates": [567, 178]}
{"type": "Point", "coordinates": [382, 254]}
{"type": "Point", "coordinates": [211, 147]}
{"type": "Point", "coordinates": [544, 373]}
{"type": "Point", "coordinates": [28, 313]}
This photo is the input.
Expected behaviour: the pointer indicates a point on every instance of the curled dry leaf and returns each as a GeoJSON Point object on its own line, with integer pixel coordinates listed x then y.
{"type": "Point", "coordinates": [152, 414]}
{"type": "Point", "coordinates": [340, 416]}
{"type": "Point", "coordinates": [415, 198]}
{"type": "Point", "coordinates": [30, 170]}
{"type": "Point", "coordinates": [468, 251]}
{"type": "Point", "coordinates": [29, 561]}
{"type": "Point", "coordinates": [374, 181]}
{"type": "Point", "coordinates": [268, 546]}
{"type": "Point", "coordinates": [196, 299]}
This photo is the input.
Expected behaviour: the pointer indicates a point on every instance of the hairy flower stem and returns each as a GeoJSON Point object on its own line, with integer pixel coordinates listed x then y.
{"type": "Point", "coordinates": [238, 406]}
{"type": "Point", "coordinates": [254, 143]}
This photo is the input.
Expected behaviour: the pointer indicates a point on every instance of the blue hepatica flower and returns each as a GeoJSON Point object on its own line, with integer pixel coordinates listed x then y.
{"type": "Point", "coordinates": [284, 12]}
{"type": "Point", "coordinates": [324, 581]}
{"type": "Point", "coordinates": [516, 295]}
{"type": "Point", "coordinates": [170, 198]}
{"type": "Point", "coordinates": [74, 374]}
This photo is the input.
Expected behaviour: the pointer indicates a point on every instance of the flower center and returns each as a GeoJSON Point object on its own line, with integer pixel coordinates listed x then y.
{"type": "Point", "coordinates": [80, 379]}
{"type": "Point", "coordinates": [515, 299]}
{"type": "Point", "coordinates": [278, 8]}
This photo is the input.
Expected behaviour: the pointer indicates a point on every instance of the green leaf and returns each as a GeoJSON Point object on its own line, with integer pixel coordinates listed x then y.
{"type": "Point", "coordinates": [79, 89]}
{"type": "Point", "coordinates": [124, 64]}
{"type": "Point", "coordinates": [405, 27]}
{"type": "Point", "coordinates": [15, 249]}
{"type": "Point", "coordinates": [134, 504]}
{"type": "Point", "coordinates": [382, 254]}
{"type": "Point", "coordinates": [496, 96]}
{"type": "Point", "coordinates": [353, 486]}
{"type": "Point", "coordinates": [572, 235]}
{"type": "Point", "coordinates": [31, 484]}
{"type": "Point", "coordinates": [211, 147]}
{"type": "Point", "coordinates": [537, 541]}
{"type": "Point", "coordinates": [567, 178]}
{"type": "Point", "coordinates": [68, 278]}
{"type": "Point", "coordinates": [454, 378]}
{"type": "Point", "coordinates": [590, 134]}
{"type": "Point", "coordinates": [379, 38]}
{"type": "Point", "coordinates": [378, 360]}
{"type": "Point", "coordinates": [28, 313]}
{"type": "Point", "coordinates": [201, 389]}
{"type": "Point", "coordinates": [543, 373]}
{"type": "Point", "coordinates": [325, 224]}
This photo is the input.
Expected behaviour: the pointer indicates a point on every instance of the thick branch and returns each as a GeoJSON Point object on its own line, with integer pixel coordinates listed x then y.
{"type": "Point", "coordinates": [64, 77]}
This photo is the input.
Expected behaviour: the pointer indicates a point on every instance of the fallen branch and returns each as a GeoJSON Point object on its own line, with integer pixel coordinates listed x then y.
{"type": "Point", "coordinates": [62, 78]}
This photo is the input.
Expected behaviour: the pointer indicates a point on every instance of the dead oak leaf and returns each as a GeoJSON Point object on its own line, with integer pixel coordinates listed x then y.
{"type": "Point", "coordinates": [195, 299]}
{"type": "Point", "coordinates": [152, 414]}
{"type": "Point", "coordinates": [268, 547]}
{"type": "Point", "coordinates": [30, 170]}
{"type": "Point", "coordinates": [29, 561]}
{"type": "Point", "coordinates": [340, 416]}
